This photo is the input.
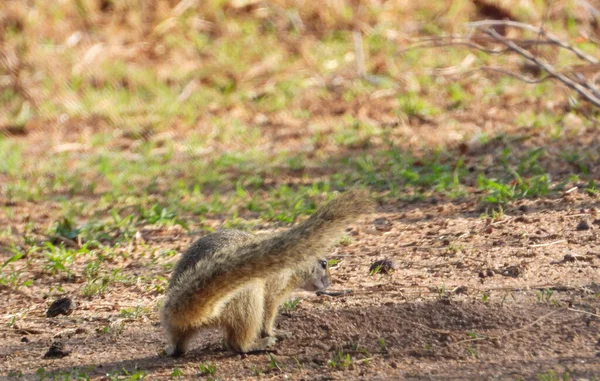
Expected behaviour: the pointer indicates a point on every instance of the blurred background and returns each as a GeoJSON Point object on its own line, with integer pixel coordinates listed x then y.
{"type": "Point", "coordinates": [191, 104]}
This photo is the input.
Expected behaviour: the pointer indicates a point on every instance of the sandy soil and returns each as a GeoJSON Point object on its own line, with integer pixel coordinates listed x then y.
{"type": "Point", "coordinates": [513, 298]}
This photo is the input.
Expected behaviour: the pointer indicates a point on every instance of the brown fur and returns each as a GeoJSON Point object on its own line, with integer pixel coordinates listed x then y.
{"type": "Point", "coordinates": [238, 281]}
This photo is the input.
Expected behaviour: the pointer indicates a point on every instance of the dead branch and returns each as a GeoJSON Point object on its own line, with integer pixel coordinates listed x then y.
{"type": "Point", "coordinates": [587, 90]}
{"type": "Point", "coordinates": [549, 243]}
{"type": "Point", "coordinates": [552, 38]}
{"type": "Point", "coordinates": [440, 42]}
{"type": "Point", "coordinates": [523, 328]}
{"type": "Point", "coordinates": [583, 312]}
{"type": "Point", "coordinates": [472, 43]}
{"type": "Point", "coordinates": [572, 77]}
{"type": "Point", "coordinates": [518, 76]}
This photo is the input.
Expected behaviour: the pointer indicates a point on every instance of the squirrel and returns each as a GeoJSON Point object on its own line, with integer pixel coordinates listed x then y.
{"type": "Point", "coordinates": [236, 281]}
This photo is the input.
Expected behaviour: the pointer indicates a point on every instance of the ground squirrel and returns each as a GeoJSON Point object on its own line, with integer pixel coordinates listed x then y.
{"type": "Point", "coordinates": [236, 281]}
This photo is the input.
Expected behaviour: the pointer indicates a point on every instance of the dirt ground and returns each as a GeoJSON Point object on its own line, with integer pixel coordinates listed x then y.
{"type": "Point", "coordinates": [470, 298]}
{"type": "Point", "coordinates": [131, 109]}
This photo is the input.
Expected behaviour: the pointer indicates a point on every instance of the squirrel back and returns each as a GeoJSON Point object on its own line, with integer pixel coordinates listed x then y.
{"type": "Point", "coordinates": [207, 247]}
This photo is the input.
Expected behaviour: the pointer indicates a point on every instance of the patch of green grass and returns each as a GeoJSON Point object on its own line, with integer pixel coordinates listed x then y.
{"type": "Point", "coordinates": [125, 375]}
{"type": "Point", "coordinates": [290, 305]}
{"type": "Point", "coordinates": [10, 156]}
{"type": "Point", "coordinates": [160, 216]}
{"type": "Point", "coordinates": [577, 161]}
{"type": "Point", "coordinates": [485, 297]}
{"type": "Point", "coordinates": [413, 105]}
{"type": "Point", "coordinates": [340, 360]}
{"type": "Point", "coordinates": [545, 296]}
{"type": "Point", "coordinates": [458, 96]}
{"type": "Point", "coordinates": [273, 363]}
{"type": "Point", "coordinates": [346, 240]}
{"type": "Point", "coordinates": [552, 375]}
{"type": "Point", "coordinates": [94, 286]}
{"type": "Point", "coordinates": [58, 259]}
{"type": "Point", "coordinates": [332, 262]}
{"type": "Point", "coordinates": [98, 282]}
{"type": "Point", "coordinates": [442, 292]}
{"type": "Point", "coordinates": [177, 373]}
{"type": "Point", "coordinates": [9, 276]}
{"type": "Point", "coordinates": [382, 344]}
{"type": "Point", "coordinates": [75, 375]}
{"type": "Point", "coordinates": [65, 228]}
{"type": "Point", "coordinates": [256, 371]}
{"type": "Point", "coordinates": [497, 192]}
{"type": "Point", "coordinates": [471, 351]}
{"type": "Point", "coordinates": [206, 369]}
{"type": "Point", "coordinates": [591, 187]}
{"type": "Point", "coordinates": [134, 312]}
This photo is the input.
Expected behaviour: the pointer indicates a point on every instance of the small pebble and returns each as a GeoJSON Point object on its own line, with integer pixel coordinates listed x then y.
{"type": "Point", "coordinates": [61, 306]}
{"type": "Point", "coordinates": [569, 258]}
{"type": "Point", "coordinates": [57, 350]}
{"type": "Point", "coordinates": [512, 271]}
{"type": "Point", "coordinates": [460, 290]}
{"type": "Point", "coordinates": [583, 225]}
{"type": "Point", "coordinates": [382, 266]}
{"type": "Point", "coordinates": [382, 224]}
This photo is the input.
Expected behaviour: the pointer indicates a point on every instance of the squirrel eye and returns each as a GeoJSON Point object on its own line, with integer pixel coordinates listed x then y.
{"type": "Point", "coordinates": [324, 264]}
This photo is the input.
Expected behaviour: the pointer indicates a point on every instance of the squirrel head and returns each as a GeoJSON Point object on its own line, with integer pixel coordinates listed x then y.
{"type": "Point", "coordinates": [318, 278]}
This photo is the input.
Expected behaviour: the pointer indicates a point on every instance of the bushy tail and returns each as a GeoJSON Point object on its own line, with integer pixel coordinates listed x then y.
{"type": "Point", "coordinates": [199, 293]}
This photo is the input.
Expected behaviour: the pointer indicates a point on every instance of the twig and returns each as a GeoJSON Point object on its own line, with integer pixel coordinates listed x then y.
{"type": "Point", "coordinates": [439, 42]}
{"type": "Point", "coordinates": [593, 11]}
{"type": "Point", "coordinates": [460, 68]}
{"type": "Point", "coordinates": [575, 81]}
{"type": "Point", "coordinates": [453, 41]}
{"type": "Point", "coordinates": [488, 23]}
{"type": "Point", "coordinates": [571, 190]}
{"type": "Point", "coordinates": [549, 243]}
{"type": "Point", "coordinates": [472, 42]}
{"type": "Point", "coordinates": [501, 222]}
{"type": "Point", "coordinates": [547, 67]}
{"type": "Point", "coordinates": [514, 75]}
{"type": "Point", "coordinates": [583, 312]}
{"type": "Point", "coordinates": [467, 41]}
{"type": "Point", "coordinates": [526, 326]}
{"type": "Point", "coordinates": [359, 53]}
{"type": "Point", "coordinates": [363, 360]}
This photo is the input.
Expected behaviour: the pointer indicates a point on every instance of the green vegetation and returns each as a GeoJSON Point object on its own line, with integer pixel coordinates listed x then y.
{"type": "Point", "coordinates": [290, 305]}
{"type": "Point", "coordinates": [206, 369]}
{"type": "Point", "coordinates": [340, 360]}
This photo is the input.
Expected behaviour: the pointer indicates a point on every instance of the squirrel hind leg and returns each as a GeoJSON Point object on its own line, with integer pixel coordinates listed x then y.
{"type": "Point", "coordinates": [242, 320]}
{"type": "Point", "coordinates": [179, 341]}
